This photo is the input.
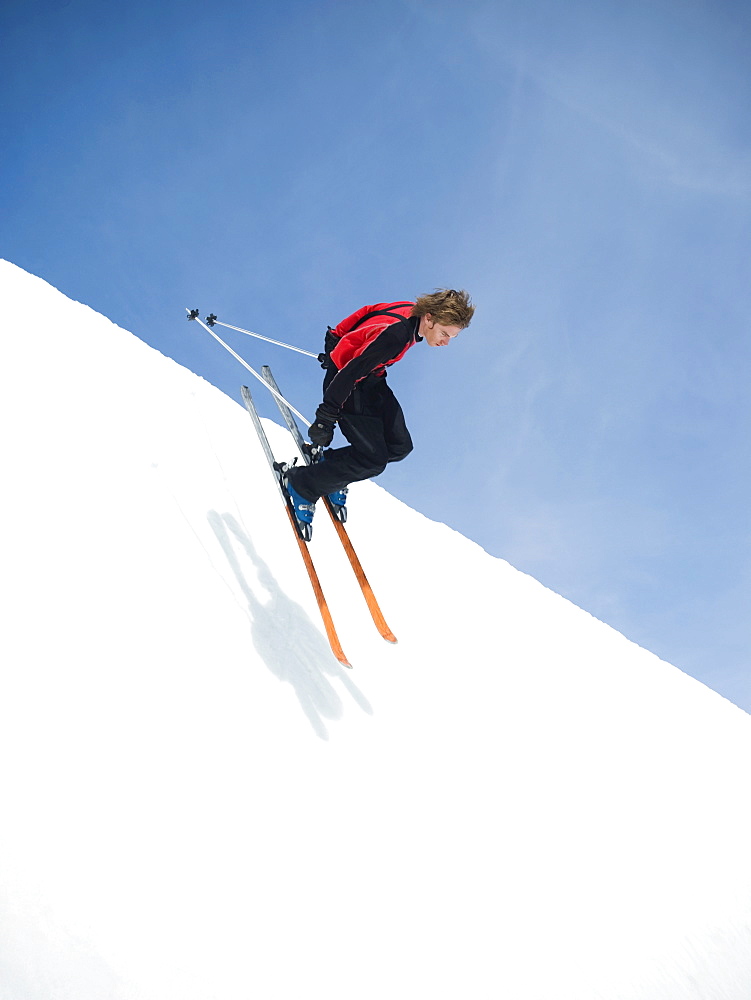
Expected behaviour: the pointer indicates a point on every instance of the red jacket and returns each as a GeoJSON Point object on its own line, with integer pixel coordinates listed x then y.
{"type": "Point", "coordinates": [366, 343]}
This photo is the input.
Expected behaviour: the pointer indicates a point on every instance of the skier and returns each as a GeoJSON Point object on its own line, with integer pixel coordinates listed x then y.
{"type": "Point", "coordinates": [356, 395]}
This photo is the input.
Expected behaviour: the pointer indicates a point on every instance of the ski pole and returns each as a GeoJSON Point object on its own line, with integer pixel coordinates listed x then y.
{"type": "Point", "coordinates": [193, 314]}
{"type": "Point", "coordinates": [212, 320]}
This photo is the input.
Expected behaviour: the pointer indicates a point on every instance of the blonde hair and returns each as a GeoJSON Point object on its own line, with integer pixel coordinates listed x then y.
{"type": "Point", "coordinates": [446, 306]}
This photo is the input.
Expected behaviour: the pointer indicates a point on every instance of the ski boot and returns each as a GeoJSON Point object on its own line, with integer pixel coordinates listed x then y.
{"type": "Point", "coordinates": [302, 509]}
{"type": "Point", "coordinates": [338, 499]}
{"type": "Point", "coordinates": [337, 502]}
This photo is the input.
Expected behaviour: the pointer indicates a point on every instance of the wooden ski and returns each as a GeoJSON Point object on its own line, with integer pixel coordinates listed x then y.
{"type": "Point", "coordinates": [367, 591]}
{"type": "Point", "coordinates": [323, 607]}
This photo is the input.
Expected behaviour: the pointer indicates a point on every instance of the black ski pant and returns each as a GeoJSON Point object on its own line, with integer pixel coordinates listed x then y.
{"type": "Point", "coordinates": [373, 422]}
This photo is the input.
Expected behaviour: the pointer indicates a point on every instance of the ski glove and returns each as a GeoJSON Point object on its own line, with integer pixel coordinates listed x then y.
{"type": "Point", "coordinates": [321, 431]}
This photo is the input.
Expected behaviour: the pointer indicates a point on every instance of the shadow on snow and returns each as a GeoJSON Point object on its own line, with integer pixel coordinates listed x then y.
{"type": "Point", "coordinates": [284, 636]}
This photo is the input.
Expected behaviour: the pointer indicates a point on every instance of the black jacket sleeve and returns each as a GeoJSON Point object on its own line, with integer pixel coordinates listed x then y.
{"type": "Point", "coordinates": [389, 343]}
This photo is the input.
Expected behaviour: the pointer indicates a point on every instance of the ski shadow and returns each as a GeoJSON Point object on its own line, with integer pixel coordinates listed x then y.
{"type": "Point", "coordinates": [286, 639]}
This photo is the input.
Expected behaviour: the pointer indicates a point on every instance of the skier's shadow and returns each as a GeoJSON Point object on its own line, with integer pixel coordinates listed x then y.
{"type": "Point", "coordinates": [284, 636]}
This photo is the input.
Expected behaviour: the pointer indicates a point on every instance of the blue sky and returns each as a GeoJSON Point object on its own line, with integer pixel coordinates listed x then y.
{"type": "Point", "coordinates": [584, 170]}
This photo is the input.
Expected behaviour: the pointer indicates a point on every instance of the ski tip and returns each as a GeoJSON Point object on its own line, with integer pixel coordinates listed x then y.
{"type": "Point", "coordinates": [390, 637]}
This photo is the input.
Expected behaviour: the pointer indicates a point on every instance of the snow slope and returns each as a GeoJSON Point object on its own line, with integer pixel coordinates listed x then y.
{"type": "Point", "coordinates": [199, 802]}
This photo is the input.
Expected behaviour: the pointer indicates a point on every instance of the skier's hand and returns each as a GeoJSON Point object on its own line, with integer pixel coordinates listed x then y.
{"type": "Point", "coordinates": [321, 431]}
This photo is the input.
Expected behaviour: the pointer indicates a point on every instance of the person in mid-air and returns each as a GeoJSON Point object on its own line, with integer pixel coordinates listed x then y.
{"type": "Point", "coordinates": [357, 397]}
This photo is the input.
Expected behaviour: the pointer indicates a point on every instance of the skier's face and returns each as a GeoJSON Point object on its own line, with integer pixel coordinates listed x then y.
{"type": "Point", "coordinates": [437, 334]}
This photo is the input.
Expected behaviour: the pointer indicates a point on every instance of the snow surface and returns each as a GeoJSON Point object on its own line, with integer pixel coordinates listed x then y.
{"type": "Point", "coordinates": [198, 801]}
